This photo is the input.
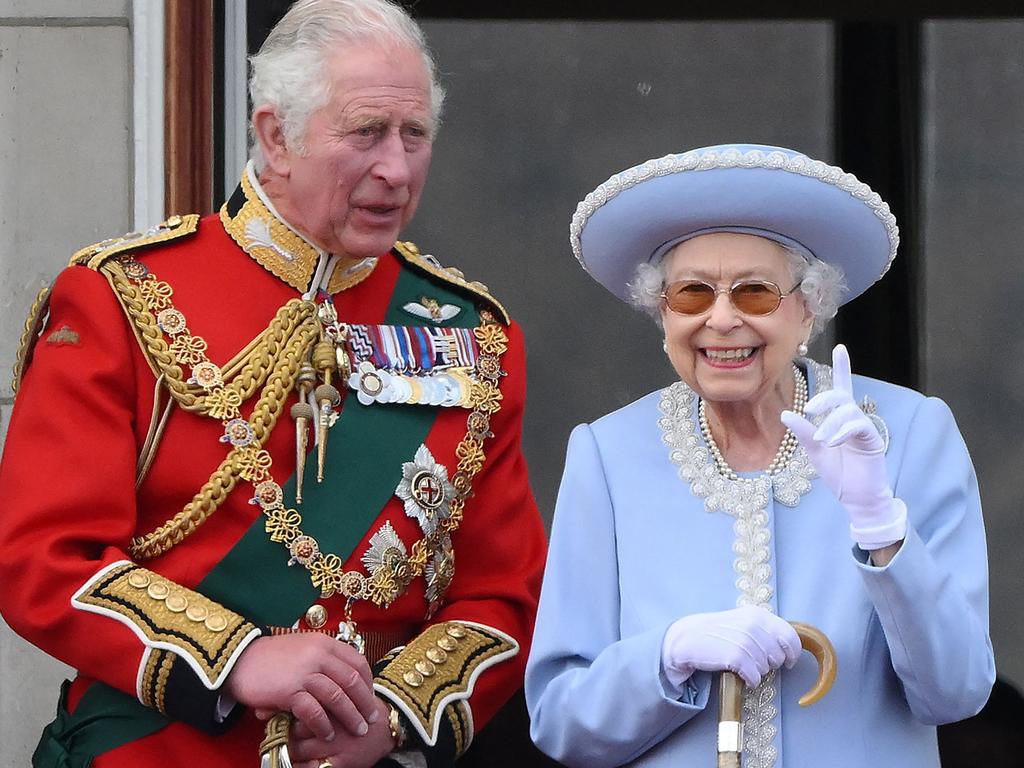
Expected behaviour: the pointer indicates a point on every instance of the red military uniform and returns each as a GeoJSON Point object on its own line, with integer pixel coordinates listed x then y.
{"type": "Point", "coordinates": [132, 548]}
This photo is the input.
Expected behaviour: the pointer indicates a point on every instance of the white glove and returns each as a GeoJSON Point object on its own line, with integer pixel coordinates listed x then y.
{"type": "Point", "coordinates": [748, 641]}
{"type": "Point", "coordinates": [849, 455]}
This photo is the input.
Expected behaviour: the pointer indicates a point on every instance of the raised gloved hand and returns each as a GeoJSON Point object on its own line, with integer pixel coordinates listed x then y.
{"type": "Point", "coordinates": [749, 641]}
{"type": "Point", "coordinates": [849, 454]}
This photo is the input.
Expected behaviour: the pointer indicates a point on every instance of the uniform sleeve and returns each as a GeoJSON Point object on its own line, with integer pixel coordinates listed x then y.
{"type": "Point", "coordinates": [932, 598]}
{"type": "Point", "coordinates": [595, 698]}
{"type": "Point", "coordinates": [69, 514]}
{"type": "Point", "coordinates": [485, 624]}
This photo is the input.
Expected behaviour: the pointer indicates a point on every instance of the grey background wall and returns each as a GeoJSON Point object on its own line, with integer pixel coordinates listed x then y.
{"type": "Point", "coordinates": [973, 278]}
{"type": "Point", "coordinates": [538, 114]}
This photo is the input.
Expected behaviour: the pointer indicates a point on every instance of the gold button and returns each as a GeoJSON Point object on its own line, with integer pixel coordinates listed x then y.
{"type": "Point", "coordinates": [413, 678]}
{"type": "Point", "coordinates": [197, 612]}
{"type": "Point", "coordinates": [316, 616]}
{"type": "Point", "coordinates": [139, 579]}
{"type": "Point", "coordinates": [447, 643]}
{"type": "Point", "coordinates": [436, 655]}
{"type": "Point", "coordinates": [158, 590]}
{"type": "Point", "coordinates": [176, 603]}
{"type": "Point", "coordinates": [216, 622]}
{"type": "Point", "coordinates": [456, 631]}
{"type": "Point", "coordinates": [425, 668]}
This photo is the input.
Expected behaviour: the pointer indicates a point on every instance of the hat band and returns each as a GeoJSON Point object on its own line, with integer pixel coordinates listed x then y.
{"type": "Point", "coordinates": [660, 252]}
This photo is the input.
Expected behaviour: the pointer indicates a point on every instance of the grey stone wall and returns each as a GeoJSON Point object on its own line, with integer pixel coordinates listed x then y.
{"type": "Point", "coordinates": [65, 181]}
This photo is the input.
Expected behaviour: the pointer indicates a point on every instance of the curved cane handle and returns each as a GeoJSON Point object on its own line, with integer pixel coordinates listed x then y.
{"type": "Point", "coordinates": [817, 643]}
{"type": "Point", "coordinates": [730, 693]}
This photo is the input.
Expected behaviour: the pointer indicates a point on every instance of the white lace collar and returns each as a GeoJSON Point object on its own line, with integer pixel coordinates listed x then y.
{"type": "Point", "coordinates": [746, 499]}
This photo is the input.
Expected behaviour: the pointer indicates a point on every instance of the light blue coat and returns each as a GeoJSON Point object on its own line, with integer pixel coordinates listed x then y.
{"type": "Point", "coordinates": [633, 549]}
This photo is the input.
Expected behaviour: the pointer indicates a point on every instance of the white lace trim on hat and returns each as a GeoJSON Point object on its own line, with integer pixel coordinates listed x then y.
{"type": "Point", "coordinates": [706, 160]}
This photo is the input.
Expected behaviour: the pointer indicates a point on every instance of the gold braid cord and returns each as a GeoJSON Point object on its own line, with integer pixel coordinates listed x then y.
{"type": "Point", "coordinates": [171, 229]}
{"type": "Point", "coordinates": [272, 361]}
{"type": "Point", "coordinates": [275, 743]}
{"type": "Point", "coordinates": [30, 335]}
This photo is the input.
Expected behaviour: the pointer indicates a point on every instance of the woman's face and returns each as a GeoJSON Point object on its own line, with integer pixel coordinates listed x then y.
{"type": "Point", "coordinates": [723, 355]}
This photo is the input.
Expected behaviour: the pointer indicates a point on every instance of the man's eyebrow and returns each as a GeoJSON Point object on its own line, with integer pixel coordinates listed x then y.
{"type": "Point", "coordinates": [426, 125]}
{"type": "Point", "coordinates": [367, 121]}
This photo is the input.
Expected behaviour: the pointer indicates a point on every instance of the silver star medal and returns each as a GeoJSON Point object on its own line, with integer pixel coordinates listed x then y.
{"type": "Point", "coordinates": [425, 490]}
{"type": "Point", "coordinates": [387, 553]}
{"type": "Point", "coordinates": [439, 572]}
{"type": "Point", "coordinates": [386, 550]}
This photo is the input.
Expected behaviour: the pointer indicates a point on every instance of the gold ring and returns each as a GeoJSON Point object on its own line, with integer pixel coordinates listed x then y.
{"type": "Point", "coordinates": [325, 764]}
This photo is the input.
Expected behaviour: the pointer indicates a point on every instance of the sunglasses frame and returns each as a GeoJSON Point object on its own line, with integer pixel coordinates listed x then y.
{"type": "Point", "coordinates": [728, 291]}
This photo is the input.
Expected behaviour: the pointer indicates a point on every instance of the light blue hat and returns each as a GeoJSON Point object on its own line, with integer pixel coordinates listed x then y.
{"type": "Point", "coordinates": [641, 213]}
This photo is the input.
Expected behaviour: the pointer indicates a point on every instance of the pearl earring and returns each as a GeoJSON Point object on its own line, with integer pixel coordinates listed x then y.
{"type": "Point", "coordinates": [664, 346]}
{"type": "Point", "coordinates": [801, 349]}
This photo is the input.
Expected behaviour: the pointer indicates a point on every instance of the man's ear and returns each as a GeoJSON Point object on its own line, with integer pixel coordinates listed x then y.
{"type": "Point", "coordinates": [269, 132]}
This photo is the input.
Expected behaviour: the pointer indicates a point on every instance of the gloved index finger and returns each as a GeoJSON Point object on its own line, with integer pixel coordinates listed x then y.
{"type": "Point", "coordinates": [842, 378]}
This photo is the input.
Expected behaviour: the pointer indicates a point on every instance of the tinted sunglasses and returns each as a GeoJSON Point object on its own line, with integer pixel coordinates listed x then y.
{"type": "Point", "coordinates": [751, 297]}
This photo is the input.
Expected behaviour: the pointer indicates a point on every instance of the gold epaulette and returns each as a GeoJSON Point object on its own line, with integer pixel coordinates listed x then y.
{"type": "Point", "coordinates": [450, 275]}
{"type": "Point", "coordinates": [94, 256]}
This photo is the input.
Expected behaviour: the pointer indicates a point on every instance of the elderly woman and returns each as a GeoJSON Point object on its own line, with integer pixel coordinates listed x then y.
{"type": "Point", "coordinates": [694, 524]}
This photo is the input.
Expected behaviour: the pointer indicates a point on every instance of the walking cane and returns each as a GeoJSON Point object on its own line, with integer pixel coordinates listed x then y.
{"type": "Point", "coordinates": [730, 694]}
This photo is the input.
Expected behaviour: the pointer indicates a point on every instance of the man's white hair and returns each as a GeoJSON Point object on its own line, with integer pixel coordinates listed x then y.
{"type": "Point", "coordinates": [820, 284]}
{"type": "Point", "coordinates": [289, 70]}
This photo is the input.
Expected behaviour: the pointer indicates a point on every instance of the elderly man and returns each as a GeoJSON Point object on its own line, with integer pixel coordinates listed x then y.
{"type": "Point", "coordinates": [247, 448]}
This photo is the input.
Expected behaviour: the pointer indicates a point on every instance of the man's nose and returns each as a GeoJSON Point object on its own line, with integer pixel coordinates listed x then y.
{"type": "Point", "coordinates": [392, 162]}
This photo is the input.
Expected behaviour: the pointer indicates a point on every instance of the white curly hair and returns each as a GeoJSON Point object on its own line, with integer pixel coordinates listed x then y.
{"type": "Point", "coordinates": [288, 71]}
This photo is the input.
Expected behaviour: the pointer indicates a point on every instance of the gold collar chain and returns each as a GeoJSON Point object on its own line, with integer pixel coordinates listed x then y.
{"type": "Point", "coordinates": [221, 399]}
{"type": "Point", "coordinates": [433, 554]}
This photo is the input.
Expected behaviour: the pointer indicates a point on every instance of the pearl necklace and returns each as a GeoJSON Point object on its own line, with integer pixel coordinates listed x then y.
{"type": "Point", "coordinates": [786, 448]}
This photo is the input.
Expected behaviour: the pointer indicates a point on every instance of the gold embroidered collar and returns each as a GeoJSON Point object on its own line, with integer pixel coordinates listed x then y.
{"type": "Point", "coordinates": [273, 244]}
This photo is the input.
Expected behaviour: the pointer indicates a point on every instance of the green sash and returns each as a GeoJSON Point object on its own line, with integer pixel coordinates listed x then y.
{"type": "Point", "coordinates": [365, 451]}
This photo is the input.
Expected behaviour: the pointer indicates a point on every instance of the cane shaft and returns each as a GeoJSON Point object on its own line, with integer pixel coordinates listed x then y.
{"type": "Point", "coordinates": [730, 720]}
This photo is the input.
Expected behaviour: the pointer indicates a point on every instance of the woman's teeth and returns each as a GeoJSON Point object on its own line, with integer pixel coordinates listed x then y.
{"type": "Point", "coordinates": [723, 355]}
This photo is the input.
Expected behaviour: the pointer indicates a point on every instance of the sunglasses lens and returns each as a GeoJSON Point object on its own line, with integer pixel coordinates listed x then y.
{"type": "Point", "coordinates": [755, 297]}
{"type": "Point", "coordinates": [689, 298]}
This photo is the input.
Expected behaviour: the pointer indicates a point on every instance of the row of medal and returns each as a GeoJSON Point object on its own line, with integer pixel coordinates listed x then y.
{"type": "Point", "coordinates": [448, 388]}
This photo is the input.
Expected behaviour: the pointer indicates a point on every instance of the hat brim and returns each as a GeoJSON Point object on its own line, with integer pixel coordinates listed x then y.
{"type": "Point", "coordinates": [636, 215]}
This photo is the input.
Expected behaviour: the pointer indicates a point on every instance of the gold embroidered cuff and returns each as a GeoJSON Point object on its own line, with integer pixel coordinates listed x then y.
{"type": "Point", "coordinates": [166, 616]}
{"type": "Point", "coordinates": [439, 668]}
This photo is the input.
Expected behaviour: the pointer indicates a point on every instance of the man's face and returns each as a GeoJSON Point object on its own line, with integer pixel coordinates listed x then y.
{"type": "Point", "coordinates": [367, 152]}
